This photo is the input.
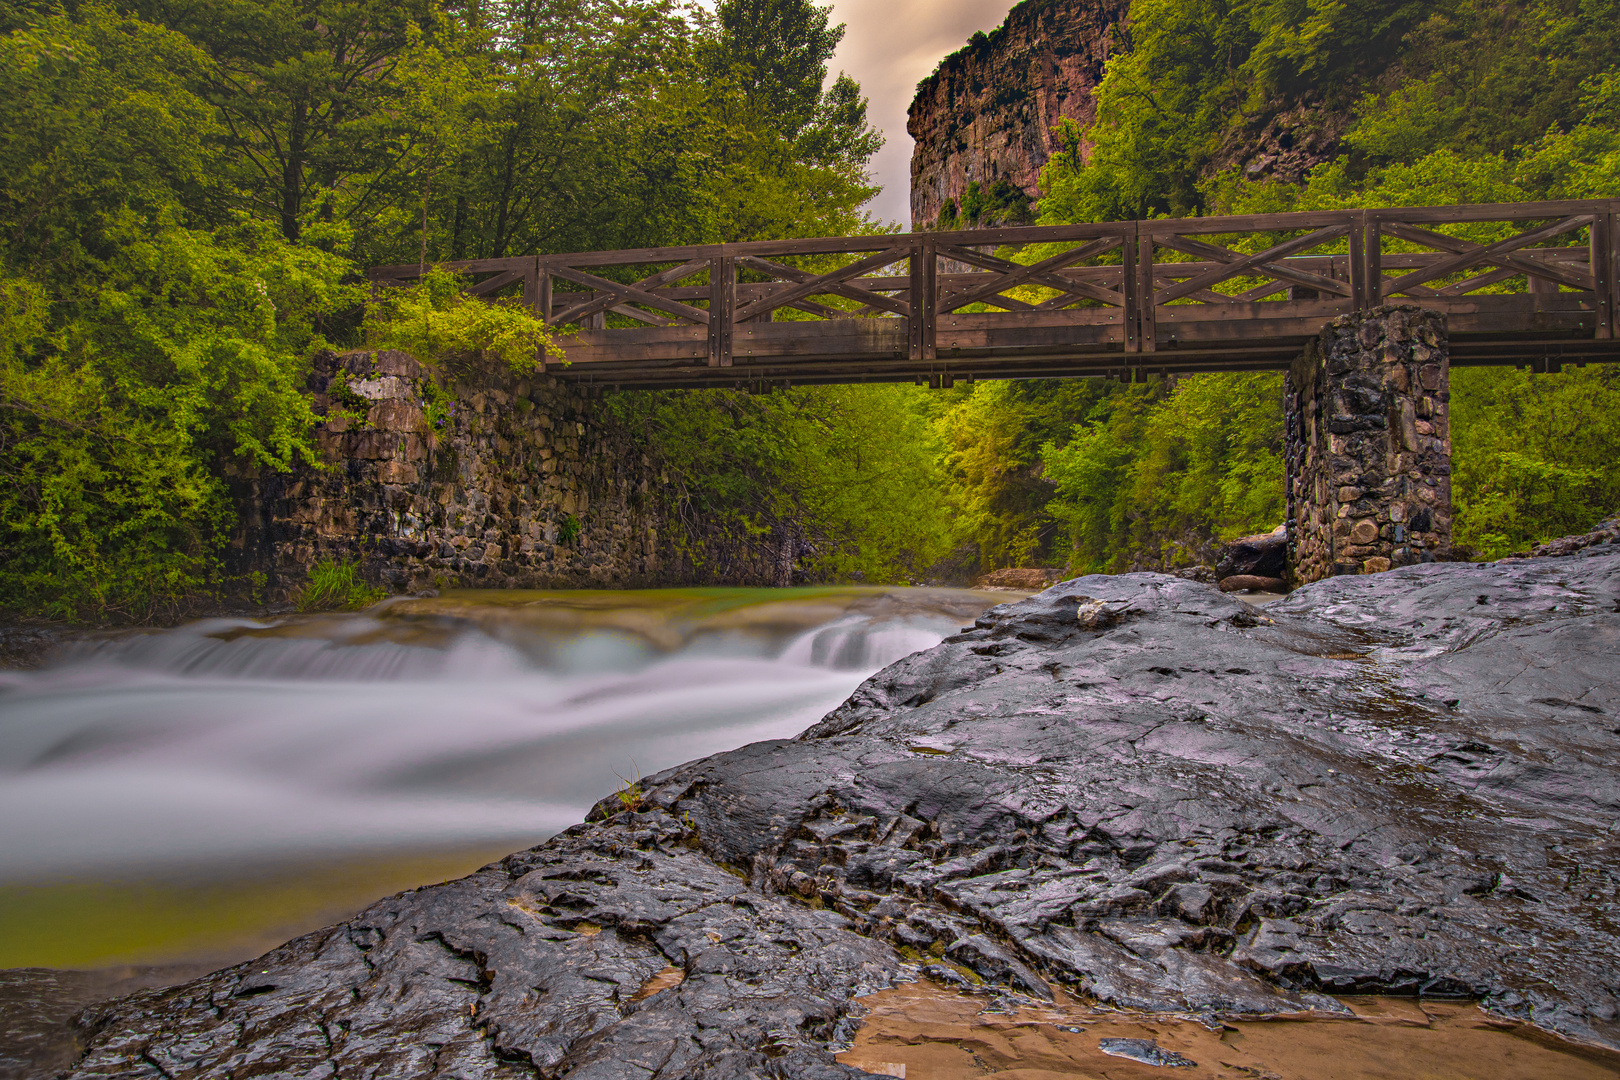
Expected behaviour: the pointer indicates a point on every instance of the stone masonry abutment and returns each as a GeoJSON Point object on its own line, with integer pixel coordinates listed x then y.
{"type": "Point", "coordinates": [1368, 445]}
{"type": "Point", "coordinates": [494, 482]}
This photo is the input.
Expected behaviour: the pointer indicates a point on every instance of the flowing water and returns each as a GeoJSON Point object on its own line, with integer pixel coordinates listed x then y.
{"type": "Point", "coordinates": [206, 791]}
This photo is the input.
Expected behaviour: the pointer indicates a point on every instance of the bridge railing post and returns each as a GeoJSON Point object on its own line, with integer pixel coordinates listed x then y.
{"type": "Point", "coordinates": [1147, 321]}
{"type": "Point", "coordinates": [722, 308]}
{"type": "Point", "coordinates": [1602, 263]}
{"type": "Point", "coordinates": [1372, 262]}
{"type": "Point", "coordinates": [923, 299]}
{"type": "Point", "coordinates": [1130, 305]}
{"type": "Point", "coordinates": [1358, 262]}
{"type": "Point", "coordinates": [540, 301]}
{"type": "Point", "coordinates": [915, 301]}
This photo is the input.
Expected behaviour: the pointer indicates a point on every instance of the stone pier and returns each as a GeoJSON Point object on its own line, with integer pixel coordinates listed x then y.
{"type": "Point", "coordinates": [1368, 445]}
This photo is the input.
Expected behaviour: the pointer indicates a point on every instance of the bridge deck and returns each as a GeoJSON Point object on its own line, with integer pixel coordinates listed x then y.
{"type": "Point", "coordinates": [1520, 283]}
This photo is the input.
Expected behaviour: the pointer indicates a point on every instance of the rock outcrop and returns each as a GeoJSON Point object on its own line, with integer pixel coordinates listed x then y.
{"type": "Point", "coordinates": [1606, 531]}
{"type": "Point", "coordinates": [984, 122]}
{"type": "Point", "coordinates": [1133, 786]}
{"type": "Point", "coordinates": [1032, 578]}
{"type": "Point", "coordinates": [1254, 562]}
{"type": "Point", "coordinates": [985, 117]}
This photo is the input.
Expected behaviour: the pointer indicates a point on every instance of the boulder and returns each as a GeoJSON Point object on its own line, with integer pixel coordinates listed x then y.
{"type": "Point", "coordinates": [1260, 555]}
{"type": "Point", "coordinates": [1249, 582]}
{"type": "Point", "coordinates": [1032, 578]}
{"type": "Point", "coordinates": [1604, 532]}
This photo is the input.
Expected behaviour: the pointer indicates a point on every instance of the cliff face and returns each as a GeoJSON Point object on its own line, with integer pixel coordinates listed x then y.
{"type": "Point", "coordinates": [986, 115]}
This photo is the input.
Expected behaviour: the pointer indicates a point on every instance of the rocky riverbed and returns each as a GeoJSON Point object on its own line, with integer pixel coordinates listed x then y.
{"type": "Point", "coordinates": [1134, 789]}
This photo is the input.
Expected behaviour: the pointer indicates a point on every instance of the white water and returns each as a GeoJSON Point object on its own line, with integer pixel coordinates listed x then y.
{"type": "Point", "coordinates": [218, 742]}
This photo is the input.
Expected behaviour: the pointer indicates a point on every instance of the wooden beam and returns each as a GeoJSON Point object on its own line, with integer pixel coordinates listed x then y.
{"type": "Point", "coordinates": [837, 288]}
{"type": "Point", "coordinates": [722, 309]}
{"type": "Point", "coordinates": [916, 301]}
{"type": "Point", "coordinates": [1015, 274]}
{"type": "Point", "coordinates": [1147, 334]}
{"type": "Point", "coordinates": [1469, 254]}
{"type": "Point", "coordinates": [813, 284]}
{"type": "Point", "coordinates": [620, 293]}
{"type": "Point", "coordinates": [1601, 263]}
{"type": "Point", "coordinates": [930, 299]}
{"type": "Point", "coordinates": [490, 286]}
{"type": "Point", "coordinates": [1236, 263]}
{"type": "Point", "coordinates": [407, 271]}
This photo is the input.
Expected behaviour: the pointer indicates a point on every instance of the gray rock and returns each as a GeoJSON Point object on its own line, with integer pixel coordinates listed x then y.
{"type": "Point", "coordinates": [1134, 786]}
{"type": "Point", "coordinates": [1261, 555]}
{"type": "Point", "coordinates": [1146, 1051]}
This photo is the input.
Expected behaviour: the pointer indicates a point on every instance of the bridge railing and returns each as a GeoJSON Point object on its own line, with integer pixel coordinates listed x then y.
{"type": "Point", "coordinates": [1172, 294]}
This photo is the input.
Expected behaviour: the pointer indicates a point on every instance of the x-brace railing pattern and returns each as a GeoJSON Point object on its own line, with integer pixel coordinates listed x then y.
{"type": "Point", "coordinates": [1192, 288]}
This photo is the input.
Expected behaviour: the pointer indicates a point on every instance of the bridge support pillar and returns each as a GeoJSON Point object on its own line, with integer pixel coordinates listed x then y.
{"type": "Point", "coordinates": [1368, 445]}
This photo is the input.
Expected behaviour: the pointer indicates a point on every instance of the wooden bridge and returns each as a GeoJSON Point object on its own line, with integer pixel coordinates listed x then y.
{"type": "Point", "coordinates": [1524, 283]}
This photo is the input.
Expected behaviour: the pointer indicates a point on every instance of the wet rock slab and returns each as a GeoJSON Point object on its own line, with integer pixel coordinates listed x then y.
{"type": "Point", "coordinates": [920, 1031]}
{"type": "Point", "coordinates": [1134, 788]}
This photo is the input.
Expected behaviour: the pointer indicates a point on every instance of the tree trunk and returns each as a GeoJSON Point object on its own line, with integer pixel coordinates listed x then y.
{"type": "Point", "coordinates": [292, 180]}
{"type": "Point", "coordinates": [427, 185]}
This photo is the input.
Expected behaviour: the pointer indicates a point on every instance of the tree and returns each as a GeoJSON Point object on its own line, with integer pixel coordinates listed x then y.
{"type": "Point", "coordinates": [308, 100]}
{"type": "Point", "coordinates": [191, 188]}
{"type": "Point", "coordinates": [596, 136]}
{"type": "Point", "coordinates": [778, 52]}
{"type": "Point", "coordinates": [142, 359]}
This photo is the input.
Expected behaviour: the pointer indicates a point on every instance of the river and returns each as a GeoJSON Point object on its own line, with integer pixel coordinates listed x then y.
{"type": "Point", "coordinates": [202, 793]}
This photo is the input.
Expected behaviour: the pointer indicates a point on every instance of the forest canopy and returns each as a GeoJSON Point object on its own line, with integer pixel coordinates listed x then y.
{"type": "Point", "coordinates": [1250, 106]}
{"type": "Point", "coordinates": [193, 188]}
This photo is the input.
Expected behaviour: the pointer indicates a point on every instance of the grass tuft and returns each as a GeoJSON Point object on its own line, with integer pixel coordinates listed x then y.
{"type": "Point", "coordinates": [337, 586]}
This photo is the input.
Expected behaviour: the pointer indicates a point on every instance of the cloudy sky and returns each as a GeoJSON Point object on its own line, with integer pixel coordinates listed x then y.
{"type": "Point", "coordinates": [891, 45]}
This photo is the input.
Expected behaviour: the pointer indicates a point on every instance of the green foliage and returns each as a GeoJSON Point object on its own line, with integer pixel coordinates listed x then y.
{"type": "Point", "coordinates": [991, 435]}
{"type": "Point", "coordinates": [437, 322]}
{"type": "Point", "coordinates": [630, 796]}
{"type": "Point", "coordinates": [1000, 204]}
{"type": "Point", "coordinates": [121, 420]}
{"type": "Point", "coordinates": [307, 133]}
{"type": "Point", "coordinates": [778, 52]}
{"type": "Point", "coordinates": [847, 475]}
{"type": "Point", "coordinates": [630, 793]}
{"type": "Point", "coordinates": [145, 359]}
{"type": "Point", "coordinates": [336, 586]}
{"type": "Point", "coordinates": [189, 187]}
{"type": "Point", "coordinates": [1156, 474]}
{"type": "Point", "coordinates": [1534, 456]}
{"type": "Point", "coordinates": [1473, 101]}
{"type": "Point", "coordinates": [1102, 477]}
{"type": "Point", "coordinates": [568, 530]}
